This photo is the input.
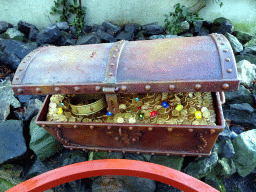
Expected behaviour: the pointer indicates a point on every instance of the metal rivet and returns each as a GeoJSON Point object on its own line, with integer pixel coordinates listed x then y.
{"type": "Point", "coordinates": [133, 139]}
{"type": "Point", "coordinates": [38, 90]}
{"type": "Point", "coordinates": [150, 128]}
{"type": "Point", "coordinates": [110, 74]}
{"type": "Point", "coordinates": [20, 69]}
{"type": "Point", "coordinates": [198, 86]}
{"type": "Point", "coordinates": [117, 89]}
{"type": "Point", "coordinates": [114, 56]}
{"type": "Point", "coordinates": [91, 108]}
{"type": "Point", "coordinates": [130, 128]}
{"type": "Point", "coordinates": [212, 131]}
{"type": "Point", "coordinates": [24, 61]}
{"type": "Point", "coordinates": [57, 89]}
{"type": "Point", "coordinates": [19, 91]}
{"type": "Point", "coordinates": [123, 88]}
{"type": "Point", "coordinates": [17, 78]}
{"type": "Point", "coordinates": [225, 86]}
{"type": "Point", "coordinates": [71, 149]}
{"type": "Point", "coordinates": [225, 50]}
{"type": "Point", "coordinates": [116, 138]}
{"type": "Point", "coordinates": [152, 153]}
{"type": "Point", "coordinates": [77, 89]}
{"type": "Point", "coordinates": [109, 151]}
{"type": "Point", "coordinates": [190, 130]}
{"type": "Point", "coordinates": [116, 50]}
{"type": "Point", "coordinates": [29, 56]}
{"type": "Point", "coordinates": [147, 87]}
{"type": "Point", "coordinates": [109, 127]}
{"type": "Point", "coordinates": [84, 149]}
{"type": "Point", "coordinates": [167, 154]}
{"type": "Point", "coordinates": [97, 88]}
{"type": "Point", "coordinates": [96, 150]}
{"type": "Point", "coordinates": [171, 87]}
{"type": "Point", "coordinates": [227, 59]}
{"type": "Point", "coordinates": [229, 70]}
{"type": "Point", "coordinates": [183, 156]}
{"type": "Point", "coordinates": [59, 126]}
{"type": "Point", "coordinates": [222, 43]}
{"type": "Point", "coordinates": [199, 156]}
{"type": "Point", "coordinates": [123, 151]}
{"type": "Point", "coordinates": [138, 152]}
{"type": "Point", "coordinates": [91, 127]}
{"type": "Point", "coordinates": [43, 126]}
{"type": "Point", "coordinates": [111, 64]}
{"type": "Point", "coordinates": [75, 126]}
{"type": "Point", "coordinates": [169, 129]}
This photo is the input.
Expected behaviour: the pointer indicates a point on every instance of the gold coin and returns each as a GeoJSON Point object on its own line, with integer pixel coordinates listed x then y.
{"type": "Point", "coordinates": [206, 114]}
{"type": "Point", "coordinates": [72, 119]}
{"type": "Point", "coordinates": [203, 122]}
{"type": "Point", "coordinates": [191, 117]}
{"type": "Point", "coordinates": [161, 111]}
{"type": "Point", "coordinates": [120, 120]}
{"type": "Point", "coordinates": [157, 107]}
{"type": "Point", "coordinates": [186, 122]}
{"type": "Point", "coordinates": [195, 123]}
{"type": "Point", "coordinates": [150, 95]}
{"type": "Point", "coordinates": [135, 109]}
{"type": "Point", "coordinates": [160, 121]}
{"type": "Point", "coordinates": [205, 103]}
{"type": "Point", "coordinates": [146, 114]}
{"type": "Point", "coordinates": [132, 120]}
{"type": "Point", "coordinates": [144, 106]}
{"type": "Point", "coordinates": [127, 115]}
{"type": "Point", "coordinates": [191, 110]}
{"type": "Point", "coordinates": [122, 106]}
{"type": "Point", "coordinates": [172, 121]}
{"type": "Point", "coordinates": [139, 103]}
{"type": "Point", "coordinates": [184, 112]}
{"type": "Point", "coordinates": [197, 94]}
{"type": "Point", "coordinates": [175, 112]}
{"type": "Point", "coordinates": [165, 117]}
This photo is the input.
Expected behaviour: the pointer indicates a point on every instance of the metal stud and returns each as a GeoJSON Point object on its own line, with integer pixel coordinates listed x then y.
{"type": "Point", "coordinates": [44, 126]}
{"type": "Point", "coordinates": [222, 43]}
{"type": "Point", "coordinates": [110, 74]}
{"type": "Point", "coordinates": [212, 131]}
{"type": "Point", "coordinates": [225, 86]}
{"type": "Point", "coordinates": [167, 154]}
{"type": "Point", "coordinates": [24, 61]}
{"type": "Point", "coordinates": [170, 129]}
{"type": "Point", "coordinates": [150, 128]}
{"type": "Point", "coordinates": [20, 69]}
{"type": "Point", "coordinates": [152, 153]}
{"type": "Point", "coordinates": [109, 151]}
{"type": "Point", "coordinates": [133, 139]}
{"type": "Point", "coordinates": [123, 152]}
{"type": "Point", "coordinates": [123, 88]}
{"type": "Point", "coordinates": [111, 64]}
{"type": "Point", "coordinates": [227, 59]}
{"type": "Point", "coordinates": [19, 91]}
{"type": "Point", "coordinates": [198, 86]}
{"type": "Point", "coordinates": [138, 152]}
{"type": "Point", "coordinates": [171, 87]}
{"type": "Point", "coordinates": [59, 126]}
{"type": "Point", "coordinates": [199, 156]}
{"type": "Point", "coordinates": [75, 126]}
{"type": "Point", "coordinates": [91, 127]}
{"type": "Point", "coordinates": [229, 70]}
{"type": "Point", "coordinates": [97, 88]}
{"type": "Point", "coordinates": [96, 150]}
{"type": "Point", "coordinates": [77, 89]}
{"type": "Point", "coordinates": [117, 89]}
{"type": "Point", "coordinates": [225, 50]}
{"type": "Point", "coordinates": [38, 90]}
{"type": "Point", "coordinates": [17, 78]}
{"type": "Point", "coordinates": [183, 156]}
{"type": "Point", "coordinates": [71, 149]}
{"type": "Point", "coordinates": [91, 108]}
{"type": "Point", "coordinates": [108, 127]}
{"type": "Point", "coordinates": [57, 89]}
{"type": "Point", "coordinates": [130, 128]}
{"type": "Point", "coordinates": [190, 130]}
{"type": "Point", "coordinates": [147, 87]}
{"type": "Point", "coordinates": [116, 138]}
{"type": "Point", "coordinates": [84, 149]}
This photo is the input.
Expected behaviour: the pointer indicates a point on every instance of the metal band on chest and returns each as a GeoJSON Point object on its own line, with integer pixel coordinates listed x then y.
{"type": "Point", "coordinates": [110, 77]}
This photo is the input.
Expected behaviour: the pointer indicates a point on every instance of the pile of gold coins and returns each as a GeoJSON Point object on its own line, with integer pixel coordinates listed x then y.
{"type": "Point", "coordinates": [151, 108]}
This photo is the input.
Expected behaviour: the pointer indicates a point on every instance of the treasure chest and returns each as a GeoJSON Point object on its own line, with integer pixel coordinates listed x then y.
{"type": "Point", "coordinates": [160, 96]}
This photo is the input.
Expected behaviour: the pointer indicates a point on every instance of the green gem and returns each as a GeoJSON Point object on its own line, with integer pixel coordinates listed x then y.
{"type": "Point", "coordinates": [141, 115]}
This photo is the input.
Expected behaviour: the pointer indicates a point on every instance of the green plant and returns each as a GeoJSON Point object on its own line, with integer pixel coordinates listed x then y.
{"type": "Point", "coordinates": [64, 8]}
{"type": "Point", "coordinates": [181, 14]}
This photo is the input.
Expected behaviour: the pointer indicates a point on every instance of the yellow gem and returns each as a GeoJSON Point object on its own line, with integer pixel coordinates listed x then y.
{"type": "Point", "coordinates": [60, 110]}
{"type": "Point", "coordinates": [179, 107]}
{"type": "Point", "coordinates": [198, 114]}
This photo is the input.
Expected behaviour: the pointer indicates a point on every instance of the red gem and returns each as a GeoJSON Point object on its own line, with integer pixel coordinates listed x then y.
{"type": "Point", "coordinates": [139, 108]}
{"type": "Point", "coordinates": [153, 113]}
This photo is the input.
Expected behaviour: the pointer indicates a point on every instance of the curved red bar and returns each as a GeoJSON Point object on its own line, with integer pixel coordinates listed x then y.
{"type": "Point", "coordinates": [94, 168]}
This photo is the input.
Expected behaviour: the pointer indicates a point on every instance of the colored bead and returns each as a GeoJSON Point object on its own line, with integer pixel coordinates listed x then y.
{"type": "Point", "coordinates": [153, 113]}
{"type": "Point", "coordinates": [139, 108]}
{"type": "Point", "coordinates": [165, 104]}
{"type": "Point", "coordinates": [179, 107]}
{"type": "Point", "coordinates": [141, 115]}
{"type": "Point", "coordinates": [109, 113]}
{"type": "Point", "coordinates": [198, 114]}
{"type": "Point", "coordinates": [60, 110]}
{"type": "Point", "coordinates": [61, 104]}
{"type": "Point", "coordinates": [137, 99]}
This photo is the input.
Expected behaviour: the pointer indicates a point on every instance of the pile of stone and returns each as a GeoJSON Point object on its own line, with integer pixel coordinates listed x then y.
{"type": "Point", "coordinates": [27, 150]}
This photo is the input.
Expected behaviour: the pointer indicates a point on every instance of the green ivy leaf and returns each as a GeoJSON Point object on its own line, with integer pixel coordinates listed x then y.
{"type": "Point", "coordinates": [221, 4]}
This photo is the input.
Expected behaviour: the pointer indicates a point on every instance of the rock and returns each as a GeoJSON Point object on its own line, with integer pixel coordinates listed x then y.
{"type": "Point", "coordinates": [111, 28]}
{"type": "Point", "coordinates": [245, 152]}
{"type": "Point", "coordinates": [73, 30]}
{"type": "Point", "coordinates": [105, 36]}
{"type": "Point", "coordinates": [4, 110]}
{"type": "Point", "coordinates": [42, 143]}
{"type": "Point", "coordinates": [132, 28]}
{"type": "Point", "coordinates": [162, 187]}
{"type": "Point", "coordinates": [203, 32]}
{"type": "Point", "coordinates": [207, 24]}
{"type": "Point", "coordinates": [249, 50]}
{"type": "Point", "coordinates": [66, 39]}
{"type": "Point", "coordinates": [23, 99]}
{"type": "Point", "coordinates": [226, 149]}
{"type": "Point", "coordinates": [14, 34]}
{"type": "Point", "coordinates": [201, 167]}
{"type": "Point", "coordinates": [4, 26]}
{"type": "Point", "coordinates": [225, 167]}
{"type": "Point", "coordinates": [86, 29]}
{"type": "Point", "coordinates": [100, 155]}
{"type": "Point", "coordinates": [197, 27]}
{"type": "Point", "coordinates": [63, 26]}
{"type": "Point", "coordinates": [249, 57]}
{"type": "Point", "coordinates": [153, 29]}
{"type": "Point", "coordinates": [252, 42]}
{"type": "Point", "coordinates": [174, 162]}
{"type": "Point", "coordinates": [12, 142]}
{"type": "Point", "coordinates": [246, 73]}
{"type": "Point", "coordinates": [186, 34]}
{"type": "Point", "coordinates": [184, 27]}
{"type": "Point", "coordinates": [163, 37]}
{"type": "Point", "coordinates": [233, 135]}
{"type": "Point", "coordinates": [12, 61]}
{"type": "Point", "coordinates": [237, 129]}
{"type": "Point", "coordinates": [242, 107]}
{"type": "Point", "coordinates": [135, 156]}
{"type": "Point", "coordinates": [95, 28]}
{"type": "Point", "coordinates": [88, 39]}
{"type": "Point", "coordinates": [243, 37]}
{"type": "Point", "coordinates": [212, 181]}
{"type": "Point", "coordinates": [36, 169]}
{"type": "Point", "coordinates": [48, 35]}
{"type": "Point", "coordinates": [115, 155]}
{"type": "Point", "coordinates": [235, 44]}
{"type": "Point", "coordinates": [221, 25]}
{"type": "Point", "coordinates": [129, 36]}
{"type": "Point", "coordinates": [25, 27]}
{"type": "Point", "coordinates": [225, 134]}
{"type": "Point", "coordinates": [243, 95]}
{"type": "Point", "coordinates": [140, 35]}
{"type": "Point", "coordinates": [33, 34]}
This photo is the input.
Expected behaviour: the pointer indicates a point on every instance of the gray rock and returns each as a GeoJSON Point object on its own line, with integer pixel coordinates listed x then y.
{"type": "Point", "coordinates": [207, 24]}
{"type": "Point", "coordinates": [33, 34]}
{"type": "Point", "coordinates": [115, 155]}
{"type": "Point", "coordinates": [243, 37]}
{"type": "Point", "coordinates": [162, 187]}
{"type": "Point", "coordinates": [12, 142]}
{"type": "Point", "coordinates": [212, 181]}
{"type": "Point", "coordinates": [249, 57]}
{"type": "Point", "coordinates": [25, 27]}
{"type": "Point", "coordinates": [100, 155]}
{"type": "Point", "coordinates": [225, 167]}
{"type": "Point", "coordinates": [111, 28]}
{"type": "Point", "coordinates": [186, 34]}
{"type": "Point", "coordinates": [48, 35]}
{"type": "Point", "coordinates": [201, 167]}
{"type": "Point", "coordinates": [36, 169]}
{"type": "Point", "coordinates": [226, 149]}
{"type": "Point", "coordinates": [132, 28]}
{"type": "Point", "coordinates": [95, 28]}
{"type": "Point", "coordinates": [252, 42]}
{"type": "Point", "coordinates": [14, 34]}
{"type": "Point", "coordinates": [243, 95]}
{"type": "Point", "coordinates": [66, 39]}
{"type": "Point", "coordinates": [246, 72]}
{"type": "Point", "coordinates": [140, 35]}
{"type": "Point", "coordinates": [4, 110]}
{"type": "Point", "coordinates": [184, 26]}
{"type": "Point", "coordinates": [135, 156]}
{"type": "Point", "coordinates": [88, 39]}
{"type": "Point", "coordinates": [23, 99]}
{"type": "Point", "coordinates": [73, 30]}
{"type": "Point", "coordinates": [86, 29]}
{"type": "Point", "coordinates": [63, 26]}
{"type": "Point", "coordinates": [105, 36]}
{"type": "Point", "coordinates": [163, 37]}
{"type": "Point", "coordinates": [4, 26]}
{"type": "Point", "coordinates": [129, 36]}
{"type": "Point", "coordinates": [153, 29]}
{"type": "Point", "coordinates": [221, 25]}
{"type": "Point", "coordinates": [235, 44]}
{"type": "Point", "coordinates": [174, 162]}
{"type": "Point", "coordinates": [245, 152]}
{"type": "Point", "coordinates": [225, 134]}
{"type": "Point", "coordinates": [42, 143]}
{"type": "Point", "coordinates": [249, 50]}
{"type": "Point", "coordinates": [203, 32]}
{"type": "Point", "coordinates": [242, 107]}
{"type": "Point", "coordinates": [12, 61]}
{"type": "Point", "coordinates": [197, 27]}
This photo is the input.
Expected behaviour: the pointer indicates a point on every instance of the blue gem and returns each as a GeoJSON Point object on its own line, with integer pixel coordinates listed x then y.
{"type": "Point", "coordinates": [61, 104]}
{"type": "Point", "coordinates": [109, 113]}
{"type": "Point", "coordinates": [165, 104]}
{"type": "Point", "coordinates": [137, 99]}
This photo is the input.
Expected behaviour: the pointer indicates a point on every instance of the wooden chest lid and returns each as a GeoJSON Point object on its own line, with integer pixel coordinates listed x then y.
{"type": "Point", "coordinates": [186, 64]}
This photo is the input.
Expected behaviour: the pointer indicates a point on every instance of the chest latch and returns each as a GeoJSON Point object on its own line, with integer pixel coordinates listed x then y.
{"type": "Point", "coordinates": [111, 99]}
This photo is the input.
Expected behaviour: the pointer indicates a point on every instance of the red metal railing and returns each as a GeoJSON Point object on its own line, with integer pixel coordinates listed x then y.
{"type": "Point", "coordinates": [94, 168]}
